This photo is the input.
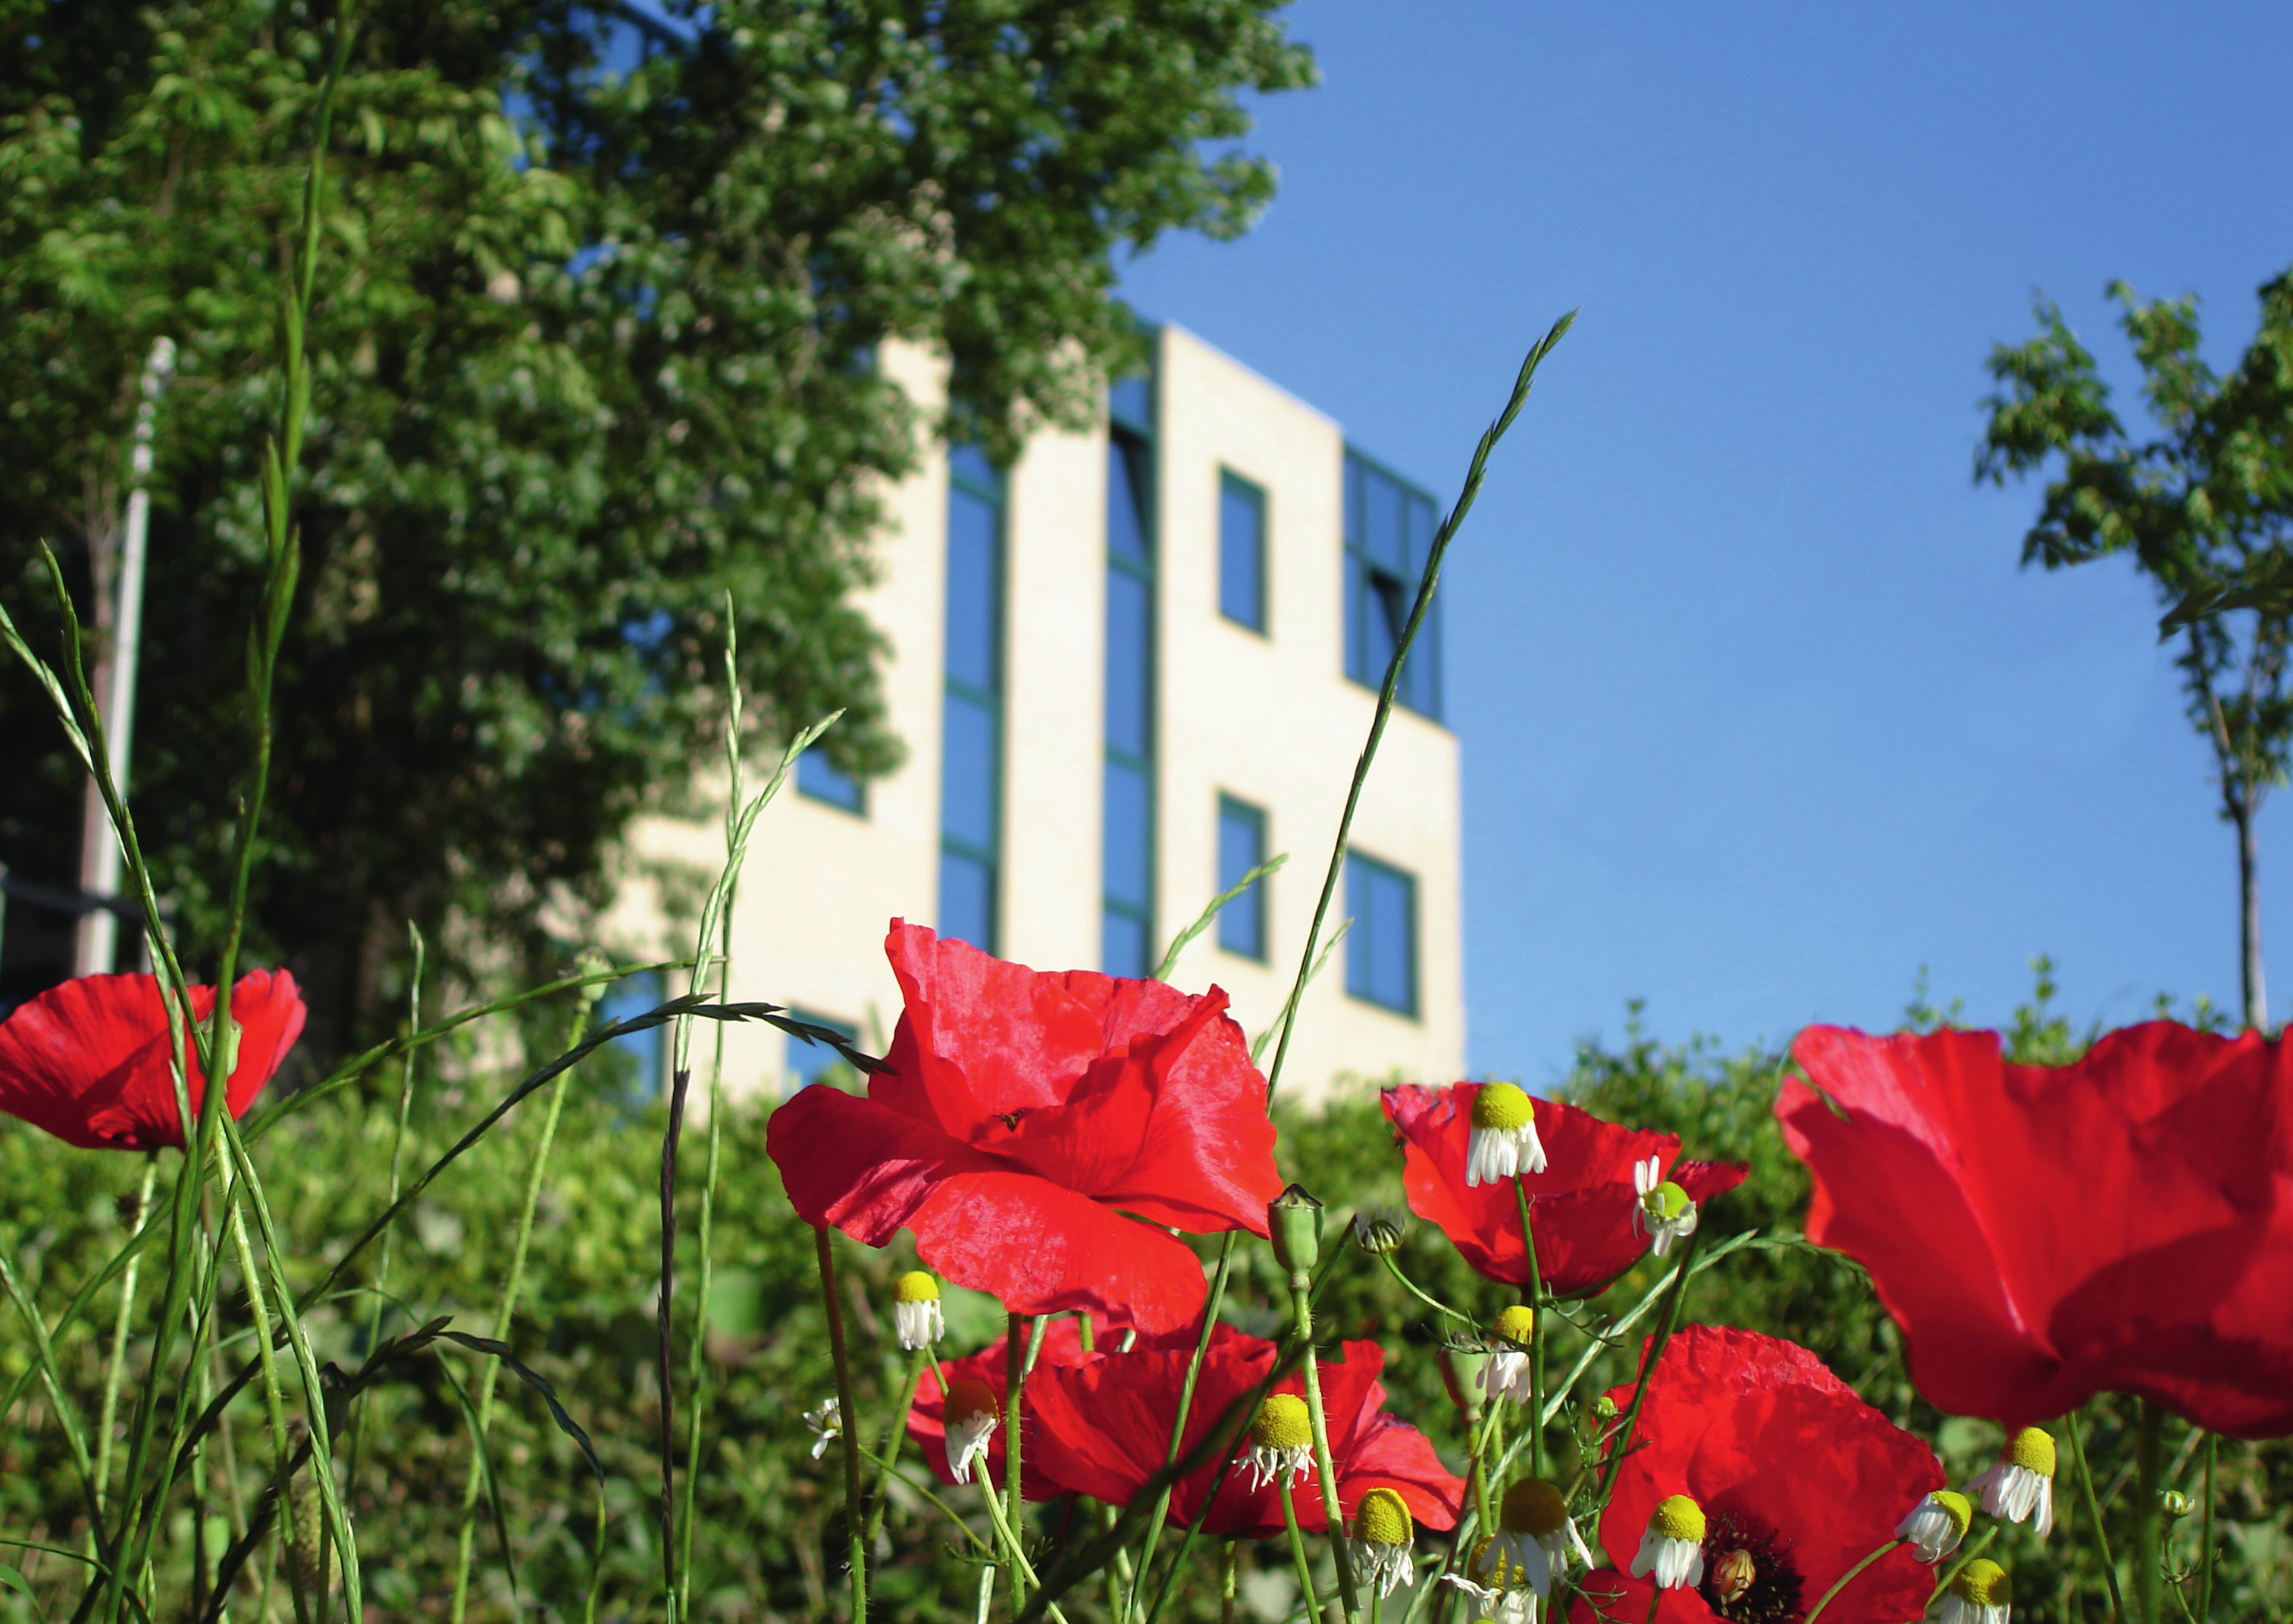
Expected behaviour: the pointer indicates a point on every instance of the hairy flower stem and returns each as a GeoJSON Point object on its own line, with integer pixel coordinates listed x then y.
{"type": "Point", "coordinates": [2147, 1513]}
{"type": "Point", "coordinates": [1017, 1365]}
{"type": "Point", "coordinates": [1286, 1489]}
{"type": "Point", "coordinates": [1229, 1580]}
{"type": "Point", "coordinates": [537, 1169]}
{"type": "Point", "coordinates": [1301, 1307]}
{"type": "Point", "coordinates": [1839, 1584]}
{"type": "Point", "coordinates": [1185, 1407]}
{"type": "Point", "coordinates": [896, 1434]}
{"type": "Point", "coordinates": [1426, 1298]}
{"type": "Point", "coordinates": [848, 1413]}
{"type": "Point", "coordinates": [1536, 1333]}
{"type": "Point", "coordinates": [2094, 1519]}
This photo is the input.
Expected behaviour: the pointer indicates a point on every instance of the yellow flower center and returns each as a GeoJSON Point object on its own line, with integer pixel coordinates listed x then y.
{"type": "Point", "coordinates": [968, 1398]}
{"type": "Point", "coordinates": [2033, 1449]}
{"type": "Point", "coordinates": [1518, 1325]}
{"type": "Point", "coordinates": [1501, 1106]}
{"type": "Point", "coordinates": [916, 1286]}
{"type": "Point", "coordinates": [1956, 1506]}
{"type": "Point", "coordinates": [1533, 1506]}
{"type": "Point", "coordinates": [1666, 1200]}
{"type": "Point", "coordinates": [1382, 1518]}
{"type": "Point", "coordinates": [1487, 1567]}
{"type": "Point", "coordinates": [1984, 1583]}
{"type": "Point", "coordinates": [1678, 1517]}
{"type": "Point", "coordinates": [1283, 1424]}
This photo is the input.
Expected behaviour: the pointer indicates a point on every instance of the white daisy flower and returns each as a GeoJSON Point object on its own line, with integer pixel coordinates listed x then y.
{"type": "Point", "coordinates": [827, 1423]}
{"type": "Point", "coordinates": [1504, 1139]}
{"type": "Point", "coordinates": [1664, 1213]}
{"type": "Point", "coordinates": [1936, 1524]}
{"type": "Point", "coordinates": [970, 1418]}
{"type": "Point", "coordinates": [1506, 1375]}
{"type": "Point", "coordinates": [915, 1311]}
{"type": "Point", "coordinates": [1281, 1441]}
{"type": "Point", "coordinates": [1497, 1589]}
{"type": "Point", "coordinates": [1673, 1548]}
{"type": "Point", "coordinates": [2021, 1481]}
{"type": "Point", "coordinates": [1982, 1594]}
{"type": "Point", "coordinates": [1384, 1541]}
{"type": "Point", "coordinates": [1536, 1535]}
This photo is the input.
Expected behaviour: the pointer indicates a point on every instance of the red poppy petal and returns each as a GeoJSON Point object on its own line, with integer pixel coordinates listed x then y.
{"type": "Point", "coordinates": [1043, 1248]}
{"type": "Point", "coordinates": [852, 1163]}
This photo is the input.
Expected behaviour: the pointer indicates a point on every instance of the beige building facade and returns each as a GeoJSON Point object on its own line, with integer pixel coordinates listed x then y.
{"type": "Point", "coordinates": [1127, 669]}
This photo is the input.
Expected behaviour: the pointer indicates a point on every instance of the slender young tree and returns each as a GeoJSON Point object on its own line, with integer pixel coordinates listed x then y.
{"type": "Point", "coordinates": [2205, 508]}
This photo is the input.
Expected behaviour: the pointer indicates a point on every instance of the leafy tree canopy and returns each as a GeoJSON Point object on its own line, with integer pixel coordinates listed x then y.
{"type": "Point", "coordinates": [598, 299]}
{"type": "Point", "coordinates": [2205, 509]}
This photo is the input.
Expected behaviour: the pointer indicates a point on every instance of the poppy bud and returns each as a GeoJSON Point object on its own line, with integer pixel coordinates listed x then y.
{"type": "Point", "coordinates": [1460, 1373]}
{"type": "Point", "coordinates": [1378, 1230]}
{"type": "Point", "coordinates": [1294, 1220]}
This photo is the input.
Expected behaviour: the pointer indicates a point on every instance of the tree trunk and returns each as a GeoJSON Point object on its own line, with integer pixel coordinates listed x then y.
{"type": "Point", "coordinates": [2248, 905]}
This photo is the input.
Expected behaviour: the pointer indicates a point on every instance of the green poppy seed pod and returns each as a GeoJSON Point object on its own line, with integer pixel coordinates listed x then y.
{"type": "Point", "coordinates": [1460, 1373]}
{"type": "Point", "coordinates": [1294, 1220]}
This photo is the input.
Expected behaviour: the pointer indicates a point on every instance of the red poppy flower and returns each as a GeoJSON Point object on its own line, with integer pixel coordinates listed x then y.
{"type": "Point", "coordinates": [88, 1059]}
{"type": "Point", "coordinates": [1028, 1121]}
{"type": "Point", "coordinates": [1789, 1467]}
{"type": "Point", "coordinates": [1102, 1427]}
{"type": "Point", "coordinates": [2044, 1234]}
{"type": "Point", "coordinates": [1584, 1201]}
{"type": "Point", "coordinates": [928, 1416]}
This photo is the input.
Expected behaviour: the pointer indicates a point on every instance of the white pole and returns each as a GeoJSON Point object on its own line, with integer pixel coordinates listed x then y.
{"type": "Point", "coordinates": [99, 932]}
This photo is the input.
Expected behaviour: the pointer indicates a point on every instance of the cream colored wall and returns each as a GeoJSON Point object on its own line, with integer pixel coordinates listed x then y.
{"type": "Point", "coordinates": [1271, 720]}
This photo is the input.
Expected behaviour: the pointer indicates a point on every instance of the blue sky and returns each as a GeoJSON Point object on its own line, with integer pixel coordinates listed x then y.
{"type": "Point", "coordinates": [1760, 715]}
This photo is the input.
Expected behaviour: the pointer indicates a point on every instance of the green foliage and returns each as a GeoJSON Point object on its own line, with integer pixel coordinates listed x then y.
{"type": "Point", "coordinates": [593, 346]}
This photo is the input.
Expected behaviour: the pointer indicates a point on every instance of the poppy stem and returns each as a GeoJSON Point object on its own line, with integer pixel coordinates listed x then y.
{"type": "Point", "coordinates": [896, 1434]}
{"type": "Point", "coordinates": [1286, 1487]}
{"type": "Point", "coordinates": [2094, 1517]}
{"type": "Point", "coordinates": [1840, 1583]}
{"type": "Point", "coordinates": [1185, 1407]}
{"type": "Point", "coordinates": [2147, 1513]}
{"type": "Point", "coordinates": [1301, 1301]}
{"type": "Point", "coordinates": [1229, 1580]}
{"type": "Point", "coordinates": [2206, 1555]}
{"type": "Point", "coordinates": [848, 1413]}
{"type": "Point", "coordinates": [1536, 1333]}
{"type": "Point", "coordinates": [1016, 1362]}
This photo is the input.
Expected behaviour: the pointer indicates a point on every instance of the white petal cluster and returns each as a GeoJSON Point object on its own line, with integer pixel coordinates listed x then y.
{"type": "Point", "coordinates": [1663, 1213]}
{"type": "Point", "coordinates": [826, 1421]}
{"type": "Point", "coordinates": [967, 1444]}
{"type": "Point", "coordinates": [2015, 1493]}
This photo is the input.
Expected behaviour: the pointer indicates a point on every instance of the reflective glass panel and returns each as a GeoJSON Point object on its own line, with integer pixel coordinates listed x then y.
{"type": "Point", "coordinates": [966, 900]}
{"type": "Point", "coordinates": [968, 772]}
{"type": "Point", "coordinates": [1129, 827]}
{"type": "Point", "coordinates": [1242, 553]}
{"type": "Point", "coordinates": [1241, 847]}
{"type": "Point", "coordinates": [1130, 631]}
{"type": "Point", "coordinates": [973, 601]}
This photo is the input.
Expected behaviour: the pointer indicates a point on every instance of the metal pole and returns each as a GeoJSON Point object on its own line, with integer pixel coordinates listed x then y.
{"type": "Point", "coordinates": [99, 927]}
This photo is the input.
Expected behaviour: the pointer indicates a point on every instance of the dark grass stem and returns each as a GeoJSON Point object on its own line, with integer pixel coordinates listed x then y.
{"type": "Point", "coordinates": [1427, 581]}
{"type": "Point", "coordinates": [848, 1416]}
{"type": "Point", "coordinates": [2094, 1518]}
{"type": "Point", "coordinates": [397, 1161]}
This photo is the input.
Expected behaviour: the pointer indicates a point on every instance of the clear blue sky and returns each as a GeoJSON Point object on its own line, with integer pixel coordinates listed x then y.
{"type": "Point", "coordinates": [1760, 713]}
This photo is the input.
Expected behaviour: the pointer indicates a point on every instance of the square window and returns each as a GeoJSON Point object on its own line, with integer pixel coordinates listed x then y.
{"type": "Point", "coordinates": [1381, 948]}
{"type": "Point", "coordinates": [819, 778]}
{"type": "Point", "coordinates": [808, 1062]}
{"type": "Point", "coordinates": [1389, 530]}
{"type": "Point", "coordinates": [1241, 552]}
{"type": "Point", "coordinates": [1241, 847]}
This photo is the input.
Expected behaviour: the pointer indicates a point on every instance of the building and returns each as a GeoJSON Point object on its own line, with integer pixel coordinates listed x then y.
{"type": "Point", "coordinates": [1128, 668]}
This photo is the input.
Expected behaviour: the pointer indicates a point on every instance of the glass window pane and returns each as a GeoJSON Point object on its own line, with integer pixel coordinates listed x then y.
{"type": "Point", "coordinates": [1128, 836]}
{"type": "Point", "coordinates": [1126, 498]}
{"type": "Point", "coordinates": [1384, 534]}
{"type": "Point", "coordinates": [966, 900]}
{"type": "Point", "coordinates": [1122, 946]}
{"type": "Point", "coordinates": [644, 1050]}
{"type": "Point", "coordinates": [1241, 847]}
{"type": "Point", "coordinates": [817, 776]}
{"type": "Point", "coordinates": [1381, 949]}
{"type": "Point", "coordinates": [973, 601]}
{"type": "Point", "coordinates": [968, 774]}
{"type": "Point", "coordinates": [1242, 553]}
{"type": "Point", "coordinates": [971, 463]}
{"type": "Point", "coordinates": [1132, 399]}
{"type": "Point", "coordinates": [1130, 633]}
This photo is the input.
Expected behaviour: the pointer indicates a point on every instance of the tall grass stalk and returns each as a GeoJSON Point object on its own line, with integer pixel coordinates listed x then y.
{"type": "Point", "coordinates": [506, 1313]}
{"type": "Point", "coordinates": [114, 1370]}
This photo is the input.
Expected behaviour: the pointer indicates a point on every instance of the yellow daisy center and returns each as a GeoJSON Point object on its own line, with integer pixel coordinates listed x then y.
{"type": "Point", "coordinates": [1382, 1518]}
{"type": "Point", "coordinates": [1678, 1517]}
{"type": "Point", "coordinates": [1666, 1200]}
{"type": "Point", "coordinates": [1533, 1506]}
{"type": "Point", "coordinates": [2033, 1449]}
{"type": "Point", "coordinates": [915, 1286]}
{"type": "Point", "coordinates": [1957, 1507]}
{"type": "Point", "coordinates": [1518, 1325]}
{"type": "Point", "coordinates": [1283, 1424]}
{"type": "Point", "coordinates": [1984, 1583]}
{"type": "Point", "coordinates": [1502, 1106]}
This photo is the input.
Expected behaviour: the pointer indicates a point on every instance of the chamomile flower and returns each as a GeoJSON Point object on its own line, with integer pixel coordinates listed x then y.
{"type": "Point", "coordinates": [1982, 1594]}
{"type": "Point", "coordinates": [916, 1311]}
{"type": "Point", "coordinates": [970, 1422]}
{"type": "Point", "coordinates": [1936, 1524]}
{"type": "Point", "coordinates": [2021, 1481]}
{"type": "Point", "coordinates": [1664, 1212]}
{"type": "Point", "coordinates": [1537, 1534]}
{"type": "Point", "coordinates": [1673, 1548]}
{"type": "Point", "coordinates": [1497, 1589]}
{"type": "Point", "coordinates": [1384, 1540]}
{"type": "Point", "coordinates": [1503, 1141]}
{"type": "Point", "coordinates": [826, 1421]}
{"type": "Point", "coordinates": [1507, 1375]}
{"type": "Point", "coordinates": [1281, 1441]}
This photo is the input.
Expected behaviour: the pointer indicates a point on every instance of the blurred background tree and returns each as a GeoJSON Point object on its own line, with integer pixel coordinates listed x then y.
{"type": "Point", "coordinates": [601, 294]}
{"type": "Point", "coordinates": [2206, 509]}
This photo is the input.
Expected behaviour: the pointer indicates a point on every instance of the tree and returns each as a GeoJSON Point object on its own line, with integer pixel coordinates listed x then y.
{"type": "Point", "coordinates": [2206, 510]}
{"type": "Point", "coordinates": [597, 308]}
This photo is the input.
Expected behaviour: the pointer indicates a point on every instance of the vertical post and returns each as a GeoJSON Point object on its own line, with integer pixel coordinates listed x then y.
{"type": "Point", "coordinates": [96, 945]}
